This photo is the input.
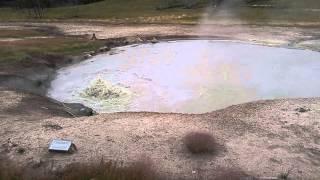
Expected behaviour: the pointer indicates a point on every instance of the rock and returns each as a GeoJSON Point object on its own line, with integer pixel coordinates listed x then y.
{"type": "Point", "coordinates": [11, 144]}
{"type": "Point", "coordinates": [78, 110]}
{"type": "Point", "coordinates": [154, 41]}
{"type": "Point", "coordinates": [132, 40]}
{"type": "Point", "coordinates": [21, 150]}
{"type": "Point", "coordinates": [104, 49]}
{"type": "Point", "coordinates": [52, 126]}
{"type": "Point", "coordinates": [113, 53]}
{"type": "Point", "coordinates": [87, 56]}
{"type": "Point", "coordinates": [138, 39]}
{"type": "Point", "coordinates": [302, 109]}
{"type": "Point", "coordinates": [92, 53]}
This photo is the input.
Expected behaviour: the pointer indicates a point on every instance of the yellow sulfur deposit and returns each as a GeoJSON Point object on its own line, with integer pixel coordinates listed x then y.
{"type": "Point", "coordinates": [104, 90]}
{"type": "Point", "coordinates": [103, 94]}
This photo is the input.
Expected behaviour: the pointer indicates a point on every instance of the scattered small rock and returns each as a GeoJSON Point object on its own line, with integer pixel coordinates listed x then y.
{"type": "Point", "coordinates": [139, 39]}
{"type": "Point", "coordinates": [9, 144]}
{"type": "Point", "coordinates": [78, 110]}
{"type": "Point", "coordinates": [52, 126]}
{"type": "Point", "coordinates": [87, 56]}
{"type": "Point", "coordinates": [275, 160]}
{"type": "Point", "coordinates": [131, 40]}
{"type": "Point", "coordinates": [73, 148]}
{"type": "Point", "coordinates": [113, 53]}
{"type": "Point", "coordinates": [302, 109]}
{"type": "Point", "coordinates": [154, 41]}
{"type": "Point", "coordinates": [21, 150]}
{"type": "Point", "coordinates": [104, 49]}
{"type": "Point", "coordinates": [92, 53]}
{"type": "Point", "coordinates": [45, 108]}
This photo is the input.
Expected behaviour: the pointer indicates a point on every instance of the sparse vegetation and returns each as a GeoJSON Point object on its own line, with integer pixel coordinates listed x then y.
{"type": "Point", "coordinates": [284, 175]}
{"type": "Point", "coordinates": [188, 4]}
{"type": "Point", "coordinates": [201, 143]}
{"type": "Point", "coordinates": [15, 51]}
{"type": "Point", "coordinates": [232, 174]}
{"type": "Point", "coordinates": [140, 170]}
{"type": "Point", "coordinates": [27, 33]}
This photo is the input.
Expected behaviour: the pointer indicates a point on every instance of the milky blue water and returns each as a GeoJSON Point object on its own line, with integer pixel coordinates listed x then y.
{"type": "Point", "coordinates": [192, 76]}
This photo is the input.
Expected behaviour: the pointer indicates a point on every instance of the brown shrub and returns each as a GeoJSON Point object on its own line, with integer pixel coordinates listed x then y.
{"type": "Point", "coordinates": [200, 143]}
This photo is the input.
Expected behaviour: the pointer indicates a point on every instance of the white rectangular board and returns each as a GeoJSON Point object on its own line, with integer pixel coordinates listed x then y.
{"type": "Point", "coordinates": [60, 145]}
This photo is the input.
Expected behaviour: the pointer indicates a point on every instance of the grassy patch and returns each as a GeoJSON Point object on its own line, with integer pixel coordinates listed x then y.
{"type": "Point", "coordinates": [9, 33]}
{"type": "Point", "coordinates": [124, 10]}
{"type": "Point", "coordinates": [168, 11]}
{"type": "Point", "coordinates": [15, 51]}
{"type": "Point", "coordinates": [113, 10]}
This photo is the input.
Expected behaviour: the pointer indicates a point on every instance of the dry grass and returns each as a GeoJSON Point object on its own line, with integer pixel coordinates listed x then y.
{"type": "Point", "coordinates": [9, 33]}
{"type": "Point", "coordinates": [232, 174]}
{"type": "Point", "coordinates": [140, 170]}
{"type": "Point", "coordinates": [201, 143]}
{"type": "Point", "coordinates": [10, 171]}
{"type": "Point", "coordinates": [15, 51]}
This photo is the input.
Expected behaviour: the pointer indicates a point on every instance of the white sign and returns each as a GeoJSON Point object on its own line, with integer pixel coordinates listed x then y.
{"type": "Point", "coordinates": [60, 145]}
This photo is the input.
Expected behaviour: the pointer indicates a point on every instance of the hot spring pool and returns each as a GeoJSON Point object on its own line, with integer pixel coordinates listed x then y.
{"type": "Point", "coordinates": [192, 76]}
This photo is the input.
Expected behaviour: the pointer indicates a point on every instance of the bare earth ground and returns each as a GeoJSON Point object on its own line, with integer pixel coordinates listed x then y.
{"type": "Point", "coordinates": [307, 36]}
{"type": "Point", "coordinates": [264, 138]}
